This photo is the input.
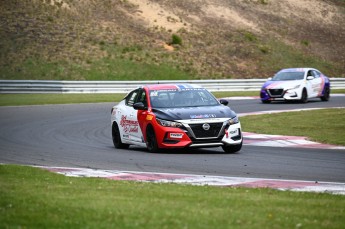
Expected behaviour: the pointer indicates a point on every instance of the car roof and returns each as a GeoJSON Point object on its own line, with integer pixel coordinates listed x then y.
{"type": "Point", "coordinates": [297, 69]}
{"type": "Point", "coordinates": [172, 86]}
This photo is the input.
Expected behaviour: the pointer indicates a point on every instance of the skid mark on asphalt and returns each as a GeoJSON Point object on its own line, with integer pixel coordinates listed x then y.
{"type": "Point", "coordinates": [222, 181]}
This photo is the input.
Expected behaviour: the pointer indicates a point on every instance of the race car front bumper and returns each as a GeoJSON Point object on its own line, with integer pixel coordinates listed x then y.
{"type": "Point", "coordinates": [291, 94]}
{"type": "Point", "coordinates": [192, 136]}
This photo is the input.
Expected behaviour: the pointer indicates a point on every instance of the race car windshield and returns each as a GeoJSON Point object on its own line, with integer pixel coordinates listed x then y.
{"type": "Point", "coordinates": [182, 98]}
{"type": "Point", "coordinates": [282, 76]}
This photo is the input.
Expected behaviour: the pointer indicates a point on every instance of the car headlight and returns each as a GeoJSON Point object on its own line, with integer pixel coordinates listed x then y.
{"type": "Point", "coordinates": [233, 120]}
{"type": "Point", "coordinates": [167, 123]}
{"type": "Point", "coordinates": [295, 87]}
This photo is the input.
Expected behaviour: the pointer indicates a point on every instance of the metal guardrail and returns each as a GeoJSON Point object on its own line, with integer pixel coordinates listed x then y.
{"type": "Point", "coordinates": [52, 86]}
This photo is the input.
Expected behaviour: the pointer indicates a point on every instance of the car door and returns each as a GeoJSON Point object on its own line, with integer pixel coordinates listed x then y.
{"type": "Point", "coordinates": [141, 116]}
{"type": "Point", "coordinates": [313, 83]}
{"type": "Point", "coordinates": [129, 122]}
{"type": "Point", "coordinates": [319, 83]}
{"type": "Point", "coordinates": [316, 83]}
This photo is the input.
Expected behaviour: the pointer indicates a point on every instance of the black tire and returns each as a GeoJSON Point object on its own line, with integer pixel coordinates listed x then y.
{"type": "Point", "coordinates": [325, 97]}
{"type": "Point", "coordinates": [232, 148]}
{"type": "Point", "coordinates": [151, 141]}
{"type": "Point", "coordinates": [304, 98]}
{"type": "Point", "coordinates": [266, 101]}
{"type": "Point", "coordinates": [117, 138]}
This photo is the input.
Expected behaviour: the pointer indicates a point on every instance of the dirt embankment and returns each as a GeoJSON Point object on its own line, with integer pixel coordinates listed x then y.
{"type": "Point", "coordinates": [220, 38]}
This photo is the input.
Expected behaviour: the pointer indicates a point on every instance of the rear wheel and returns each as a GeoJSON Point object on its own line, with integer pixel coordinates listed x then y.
{"type": "Point", "coordinates": [151, 141]}
{"type": "Point", "coordinates": [117, 138]}
{"type": "Point", "coordinates": [304, 98]}
{"type": "Point", "coordinates": [325, 96]}
{"type": "Point", "coordinates": [232, 148]}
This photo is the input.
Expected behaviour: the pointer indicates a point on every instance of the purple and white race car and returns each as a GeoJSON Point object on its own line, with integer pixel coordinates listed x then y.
{"type": "Point", "coordinates": [299, 84]}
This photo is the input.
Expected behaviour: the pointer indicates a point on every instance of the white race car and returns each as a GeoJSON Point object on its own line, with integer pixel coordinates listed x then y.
{"type": "Point", "coordinates": [168, 116]}
{"type": "Point", "coordinates": [298, 84]}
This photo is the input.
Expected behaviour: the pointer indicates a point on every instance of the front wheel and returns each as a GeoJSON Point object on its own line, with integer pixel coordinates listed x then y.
{"type": "Point", "coordinates": [117, 138]}
{"type": "Point", "coordinates": [151, 141]}
{"type": "Point", "coordinates": [232, 148]}
{"type": "Point", "coordinates": [304, 98]}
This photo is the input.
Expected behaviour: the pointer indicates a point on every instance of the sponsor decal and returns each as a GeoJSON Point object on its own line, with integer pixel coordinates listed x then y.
{"type": "Point", "coordinates": [293, 70]}
{"type": "Point", "coordinates": [129, 126]}
{"type": "Point", "coordinates": [125, 136]}
{"type": "Point", "coordinates": [231, 133]}
{"type": "Point", "coordinates": [176, 135]}
{"type": "Point", "coordinates": [153, 93]}
{"type": "Point", "coordinates": [203, 116]}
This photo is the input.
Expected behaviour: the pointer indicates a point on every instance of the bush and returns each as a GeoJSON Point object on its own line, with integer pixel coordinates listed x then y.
{"type": "Point", "coordinates": [176, 40]}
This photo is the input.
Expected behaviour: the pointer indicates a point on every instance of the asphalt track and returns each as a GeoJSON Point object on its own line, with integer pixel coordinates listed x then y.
{"type": "Point", "coordinates": [80, 136]}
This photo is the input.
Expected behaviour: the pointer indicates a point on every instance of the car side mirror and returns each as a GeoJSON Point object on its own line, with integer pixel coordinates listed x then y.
{"type": "Point", "coordinates": [224, 102]}
{"type": "Point", "coordinates": [139, 106]}
{"type": "Point", "coordinates": [310, 77]}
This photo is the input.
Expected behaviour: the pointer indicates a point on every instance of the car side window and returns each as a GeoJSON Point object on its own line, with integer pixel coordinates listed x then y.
{"type": "Point", "coordinates": [142, 97]}
{"type": "Point", "coordinates": [130, 99]}
{"type": "Point", "coordinates": [316, 74]}
{"type": "Point", "coordinates": [310, 73]}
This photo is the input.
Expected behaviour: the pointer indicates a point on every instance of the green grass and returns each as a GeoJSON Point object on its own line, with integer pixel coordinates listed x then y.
{"type": "Point", "coordinates": [100, 69]}
{"type": "Point", "coordinates": [39, 99]}
{"type": "Point", "coordinates": [34, 198]}
{"type": "Point", "coordinates": [97, 40]}
{"type": "Point", "coordinates": [325, 125]}
{"type": "Point", "coordinates": [278, 55]}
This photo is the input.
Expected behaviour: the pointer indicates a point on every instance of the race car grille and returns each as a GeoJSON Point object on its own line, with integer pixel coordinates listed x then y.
{"type": "Point", "coordinates": [206, 141]}
{"type": "Point", "coordinates": [276, 92]}
{"type": "Point", "coordinates": [212, 132]}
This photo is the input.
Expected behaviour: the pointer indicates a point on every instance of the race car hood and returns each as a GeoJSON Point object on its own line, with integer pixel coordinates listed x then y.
{"type": "Point", "coordinates": [282, 84]}
{"type": "Point", "coordinates": [209, 112]}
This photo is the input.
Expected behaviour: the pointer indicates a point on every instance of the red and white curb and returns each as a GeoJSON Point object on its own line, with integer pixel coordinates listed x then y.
{"type": "Point", "coordinates": [268, 140]}
{"type": "Point", "coordinates": [222, 181]}
{"type": "Point", "coordinates": [258, 97]}
{"type": "Point", "coordinates": [281, 140]}
{"type": "Point", "coordinates": [282, 111]}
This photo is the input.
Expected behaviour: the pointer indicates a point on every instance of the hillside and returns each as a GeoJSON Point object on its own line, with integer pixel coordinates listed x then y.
{"type": "Point", "coordinates": [169, 39]}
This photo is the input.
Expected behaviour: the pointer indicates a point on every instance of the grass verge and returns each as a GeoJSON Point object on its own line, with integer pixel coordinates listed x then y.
{"type": "Point", "coordinates": [39, 99]}
{"type": "Point", "coordinates": [34, 198]}
{"type": "Point", "coordinates": [325, 125]}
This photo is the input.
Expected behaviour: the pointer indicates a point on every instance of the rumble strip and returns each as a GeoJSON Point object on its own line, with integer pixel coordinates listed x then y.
{"type": "Point", "coordinates": [283, 141]}
{"type": "Point", "coordinates": [222, 181]}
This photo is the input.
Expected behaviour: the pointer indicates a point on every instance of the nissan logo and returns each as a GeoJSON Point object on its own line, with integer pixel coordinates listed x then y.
{"type": "Point", "coordinates": [206, 126]}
